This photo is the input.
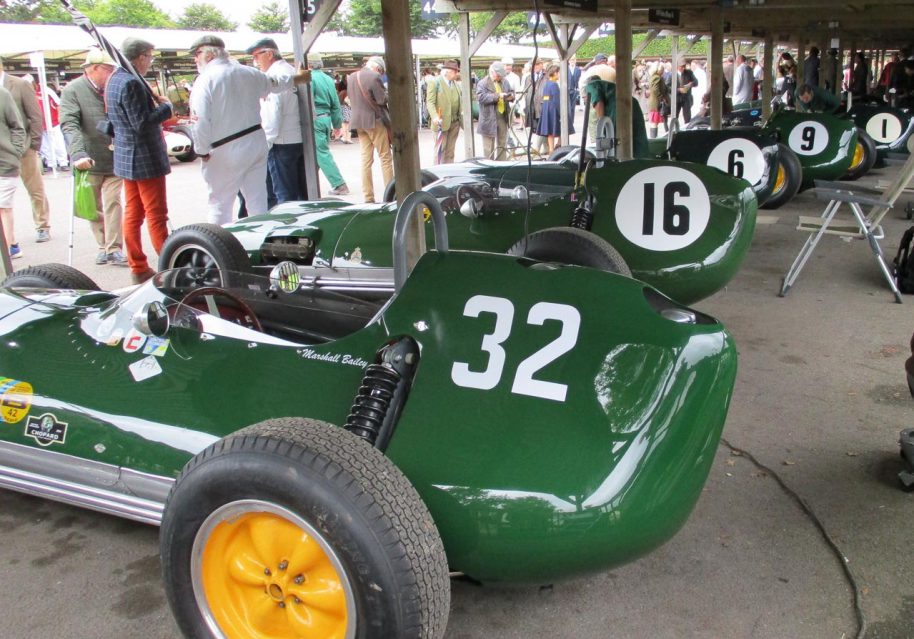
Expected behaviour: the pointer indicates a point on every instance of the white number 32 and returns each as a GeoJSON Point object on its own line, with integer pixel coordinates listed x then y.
{"type": "Point", "coordinates": [524, 383]}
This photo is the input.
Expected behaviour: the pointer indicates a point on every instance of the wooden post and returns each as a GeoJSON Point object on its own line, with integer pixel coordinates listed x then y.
{"type": "Point", "coordinates": [716, 57]}
{"type": "Point", "coordinates": [564, 89]}
{"type": "Point", "coordinates": [674, 82]}
{"type": "Point", "coordinates": [305, 107]}
{"type": "Point", "coordinates": [801, 59]}
{"type": "Point", "coordinates": [767, 74]}
{"type": "Point", "coordinates": [466, 98]}
{"type": "Point", "coordinates": [623, 19]}
{"type": "Point", "coordinates": [399, 55]}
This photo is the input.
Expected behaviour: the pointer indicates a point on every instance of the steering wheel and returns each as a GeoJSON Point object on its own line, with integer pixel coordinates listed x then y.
{"type": "Point", "coordinates": [465, 192]}
{"type": "Point", "coordinates": [244, 316]}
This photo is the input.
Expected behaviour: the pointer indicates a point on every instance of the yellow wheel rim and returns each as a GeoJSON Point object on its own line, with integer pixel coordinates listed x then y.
{"type": "Point", "coordinates": [858, 156]}
{"type": "Point", "coordinates": [781, 179]}
{"type": "Point", "coordinates": [262, 572]}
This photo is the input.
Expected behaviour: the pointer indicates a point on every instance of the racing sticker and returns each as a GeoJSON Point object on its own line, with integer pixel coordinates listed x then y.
{"type": "Point", "coordinates": [808, 138]}
{"type": "Point", "coordinates": [15, 399]}
{"type": "Point", "coordinates": [884, 127]}
{"type": "Point", "coordinates": [145, 368]}
{"type": "Point", "coordinates": [46, 430]}
{"type": "Point", "coordinates": [134, 341]}
{"type": "Point", "coordinates": [663, 208]}
{"type": "Point", "coordinates": [157, 346]}
{"type": "Point", "coordinates": [115, 338]}
{"type": "Point", "coordinates": [740, 158]}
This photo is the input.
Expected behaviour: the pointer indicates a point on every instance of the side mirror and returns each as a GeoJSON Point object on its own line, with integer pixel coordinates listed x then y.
{"type": "Point", "coordinates": [469, 209]}
{"type": "Point", "coordinates": [285, 277]}
{"type": "Point", "coordinates": [152, 319]}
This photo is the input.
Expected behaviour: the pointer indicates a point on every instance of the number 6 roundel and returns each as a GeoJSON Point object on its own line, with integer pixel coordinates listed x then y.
{"type": "Point", "coordinates": [663, 208]}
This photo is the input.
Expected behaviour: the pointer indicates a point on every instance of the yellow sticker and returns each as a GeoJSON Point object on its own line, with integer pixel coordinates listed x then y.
{"type": "Point", "coordinates": [15, 400]}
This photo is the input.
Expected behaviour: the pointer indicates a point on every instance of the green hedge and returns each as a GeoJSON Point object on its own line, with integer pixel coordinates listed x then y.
{"type": "Point", "coordinates": [661, 47]}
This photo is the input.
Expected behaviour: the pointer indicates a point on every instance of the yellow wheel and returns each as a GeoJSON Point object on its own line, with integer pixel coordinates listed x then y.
{"type": "Point", "coordinates": [859, 154]}
{"type": "Point", "coordinates": [787, 179]}
{"type": "Point", "coordinates": [864, 156]}
{"type": "Point", "coordinates": [261, 571]}
{"type": "Point", "coordinates": [297, 529]}
{"type": "Point", "coordinates": [780, 180]}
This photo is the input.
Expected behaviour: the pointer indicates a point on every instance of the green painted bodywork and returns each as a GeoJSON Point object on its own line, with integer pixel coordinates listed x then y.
{"type": "Point", "coordinates": [523, 488]}
{"type": "Point", "coordinates": [862, 114]}
{"type": "Point", "coordinates": [830, 163]}
{"type": "Point", "coordinates": [687, 274]}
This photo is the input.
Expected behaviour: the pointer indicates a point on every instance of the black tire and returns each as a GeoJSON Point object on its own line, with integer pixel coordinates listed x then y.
{"type": "Point", "coordinates": [207, 252]}
{"type": "Point", "coordinates": [561, 151]}
{"type": "Point", "coordinates": [390, 191]}
{"type": "Point", "coordinates": [864, 156]}
{"type": "Point", "coordinates": [790, 176]}
{"type": "Point", "coordinates": [50, 276]}
{"type": "Point", "coordinates": [568, 245]}
{"type": "Point", "coordinates": [702, 122]}
{"type": "Point", "coordinates": [365, 516]}
{"type": "Point", "coordinates": [191, 155]}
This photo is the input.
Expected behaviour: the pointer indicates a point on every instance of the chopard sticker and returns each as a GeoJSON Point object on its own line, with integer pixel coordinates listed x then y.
{"type": "Point", "coordinates": [145, 368]}
{"type": "Point", "coordinates": [15, 399]}
{"type": "Point", "coordinates": [115, 338]}
{"type": "Point", "coordinates": [46, 430]}
{"type": "Point", "coordinates": [335, 358]}
{"type": "Point", "coordinates": [157, 346]}
{"type": "Point", "coordinates": [134, 341]}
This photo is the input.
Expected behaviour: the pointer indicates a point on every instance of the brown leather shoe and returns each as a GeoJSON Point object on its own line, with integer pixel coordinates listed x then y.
{"type": "Point", "coordinates": [142, 276]}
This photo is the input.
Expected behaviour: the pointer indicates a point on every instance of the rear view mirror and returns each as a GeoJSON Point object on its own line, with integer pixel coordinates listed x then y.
{"type": "Point", "coordinates": [152, 319]}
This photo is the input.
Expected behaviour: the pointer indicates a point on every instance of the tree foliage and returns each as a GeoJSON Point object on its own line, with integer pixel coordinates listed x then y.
{"type": "Point", "coordinates": [128, 13]}
{"type": "Point", "coordinates": [270, 18]}
{"type": "Point", "coordinates": [364, 19]}
{"type": "Point", "coordinates": [48, 11]}
{"type": "Point", "coordinates": [203, 16]}
{"type": "Point", "coordinates": [512, 29]}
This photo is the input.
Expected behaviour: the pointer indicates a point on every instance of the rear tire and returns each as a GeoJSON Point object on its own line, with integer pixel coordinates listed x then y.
{"type": "Point", "coordinates": [864, 156]}
{"type": "Point", "coordinates": [790, 176]}
{"type": "Point", "coordinates": [208, 251]}
{"type": "Point", "coordinates": [50, 276]}
{"type": "Point", "coordinates": [568, 245]}
{"type": "Point", "coordinates": [296, 513]}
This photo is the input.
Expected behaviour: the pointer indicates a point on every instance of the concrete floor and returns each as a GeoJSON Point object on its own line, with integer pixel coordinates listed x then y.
{"type": "Point", "coordinates": [820, 399]}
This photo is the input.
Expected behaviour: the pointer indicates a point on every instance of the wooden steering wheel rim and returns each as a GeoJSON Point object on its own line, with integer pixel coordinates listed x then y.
{"type": "Point", "coordinates": [203, 291]}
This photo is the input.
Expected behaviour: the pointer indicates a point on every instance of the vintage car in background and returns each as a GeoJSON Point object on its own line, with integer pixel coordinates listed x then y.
{"type": "Point", "coordinates": [889, 127]}
{"type": "Point", "coordinates": [320, 460]}
{"type": "Point", "coordinates": [829, 147]}
{"type": "Point", "coordinates": [179, 139]}
{"type": "Point", "coordinates": [683, 228]}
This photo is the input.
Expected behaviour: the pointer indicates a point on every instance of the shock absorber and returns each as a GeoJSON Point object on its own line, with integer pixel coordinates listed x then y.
{"type": "Point", "coordinates": [383, 391]}
{"type": "Point", "coordinates": [582, 217]}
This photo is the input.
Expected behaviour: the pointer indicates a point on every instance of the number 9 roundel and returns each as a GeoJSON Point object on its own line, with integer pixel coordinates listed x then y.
{"type": "Point", "coordinates": [663, 208]}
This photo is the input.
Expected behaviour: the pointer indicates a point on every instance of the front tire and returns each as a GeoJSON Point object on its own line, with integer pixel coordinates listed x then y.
{"type": "Point", "coordinates": [206, 252]}
{"type": "Point", "coordinates": [294, 526]}
{"type": "Point", "coordinates": [50, 276]}
{"type": "Point", "coordinates": [568, 245]}
{"type": "Point", "coordinates": [864, 156]}
{"type": "Point", "coordinates": [788, 180]}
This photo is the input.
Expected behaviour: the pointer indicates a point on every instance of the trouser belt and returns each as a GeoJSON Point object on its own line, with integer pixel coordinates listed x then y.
{"type": "Point", "coordinates": [235, 136]}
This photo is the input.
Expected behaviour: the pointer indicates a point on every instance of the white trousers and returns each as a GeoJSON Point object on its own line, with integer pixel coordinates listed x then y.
{"type": "Point", "coordinates": [240, 165]}
{"type": "Point", "coordinates": [54, 148]}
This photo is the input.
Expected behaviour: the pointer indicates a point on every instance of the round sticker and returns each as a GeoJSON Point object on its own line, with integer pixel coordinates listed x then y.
{"type": "Point", "coordinates": [15, 399]}
{"type": "Point", "coordinates": [884, 127]}
{"type": "Point", "coordinates": [133, 341]}
{"type": "Point", "coordinates": [740, 158]}
{"type": "Point", "coordinates": [808, 138]}
{"type": "Point", "coordinates": [663, 208]}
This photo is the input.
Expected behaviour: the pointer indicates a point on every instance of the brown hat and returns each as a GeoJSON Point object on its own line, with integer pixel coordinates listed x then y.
{"type": "Point", "coordinates": [453, 65]}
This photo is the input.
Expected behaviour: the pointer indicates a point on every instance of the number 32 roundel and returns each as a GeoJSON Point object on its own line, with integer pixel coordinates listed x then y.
{"type": "Point", "coordinates": [663, 208]}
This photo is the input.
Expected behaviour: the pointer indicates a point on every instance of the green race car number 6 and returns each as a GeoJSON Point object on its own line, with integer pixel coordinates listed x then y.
{"type": "Point", "coordinates": [524, 383]}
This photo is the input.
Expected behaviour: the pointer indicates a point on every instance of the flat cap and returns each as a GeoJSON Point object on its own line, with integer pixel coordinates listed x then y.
{"type": "Point", "coordinates": [134, 47]}
{"type": "Point", "coordinates": [600, 57]}
{"type": "Point", "coordinates": [207, 41]}
{"type": "Point", "coordinates": [97, 56]}
{"type": "Point", "coordinates": [263, 43]}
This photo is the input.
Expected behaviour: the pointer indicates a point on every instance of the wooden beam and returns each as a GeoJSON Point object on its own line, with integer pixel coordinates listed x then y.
{"type": "Point", "coordinates": [320, 20]}
{"type": "Point", "coordinates": [556, 38]}
{"type": "Point", "coordinates": [466, 98]}
{"type": "Point", "coordinates": [563, 88]}
{"type": "Point", "coordinates": [497, 18]}
{"type": "Point", "coordinates": [767, 74]}
{"type": "Point", "coordinates": [801, 59]}
{"type": "Point", "coordinates": [624, 78]}
{"type": "Point", "coordinates": [305, 108]}
{"type": "Point", "coordinates": [587, 31]}
{"type": "Point", "coordinates": [716, 58]}
{"type": "Point", "coordinates": [649, 37]}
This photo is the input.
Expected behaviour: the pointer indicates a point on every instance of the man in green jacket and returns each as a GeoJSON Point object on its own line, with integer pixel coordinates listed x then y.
{"type": "Point", "coordinates": [12, 148]}
{"type": "Point", "coordinates": [603, 102]}
{"type": "Point", "coordinates": [82, 107]}
{"type": "Point", "coordinates": [443, 102]}
{"type": "Point", "coordinates": [328, 118]}
{"type": "Point", "coordinates": [813, 99]}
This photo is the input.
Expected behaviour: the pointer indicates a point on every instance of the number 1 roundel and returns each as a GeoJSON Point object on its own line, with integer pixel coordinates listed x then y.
{"type": "Point", "coordinates": [663, 208]}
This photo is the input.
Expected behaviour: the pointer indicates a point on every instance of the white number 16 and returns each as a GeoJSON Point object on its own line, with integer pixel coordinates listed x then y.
{"type": "Point", "coordinates": [524, 383]}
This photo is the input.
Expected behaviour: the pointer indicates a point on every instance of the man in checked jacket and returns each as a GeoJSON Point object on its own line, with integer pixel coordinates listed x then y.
{"type": "Point", "coordinates": [139, 154]}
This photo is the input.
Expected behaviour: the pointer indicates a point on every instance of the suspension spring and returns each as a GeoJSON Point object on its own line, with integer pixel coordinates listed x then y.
{"type": "Point", "coordinates": [582, 218]}
{"type": "Point", "coordinates": [372, 402]}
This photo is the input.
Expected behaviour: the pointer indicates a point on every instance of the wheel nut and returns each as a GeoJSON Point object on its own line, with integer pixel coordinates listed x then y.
{"type": "Point", "coordinates": [282, 604]}
{"type": "Point", "coordinates": [300, 579]}
{"type": "Point", "coordinates": [267, 572]}
{"type": "Point", "coordinates": [283, 565]}
{"type": "Point", "coordinates": [297, 600]}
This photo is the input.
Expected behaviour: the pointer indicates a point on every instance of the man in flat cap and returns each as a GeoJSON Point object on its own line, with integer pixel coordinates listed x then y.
{"type": "Point", "coordinates": [281, 121]}
{"type": "Point", "coordinates": [140, 156]}
{"type": "Point", "coordinates": [82, 108]}
{"type": "Point", "coordinates": [495, 95]}
{"type": "Point", "coordinates": [328, 118]}
{"type": "Point", "coordinates": [30, 166]}
{"type": "Point", "coordinates": [371, 119]}
{"type": "Point", "coordinates": [443, 102]}
{"type": "Point", "coordinates": [228, 135]}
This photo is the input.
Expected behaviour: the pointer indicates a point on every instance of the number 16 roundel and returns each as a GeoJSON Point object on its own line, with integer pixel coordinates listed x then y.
{"type": "Point", "coordinates": [663, 208]}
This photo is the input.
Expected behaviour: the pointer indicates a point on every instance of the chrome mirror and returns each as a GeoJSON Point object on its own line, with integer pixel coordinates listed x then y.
{"type": "Point", "coordinates": [285, 277]}
{"type": "Point", "coordinates": [152, 319]}
{"type": "Point", "coordinates": [469, 209]}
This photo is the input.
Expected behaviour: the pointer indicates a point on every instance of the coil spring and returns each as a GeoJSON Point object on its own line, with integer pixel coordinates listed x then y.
{"type": "Point", "coordinates": [582, 218]}
{"type": "Point", "coordinates": [372, 402]}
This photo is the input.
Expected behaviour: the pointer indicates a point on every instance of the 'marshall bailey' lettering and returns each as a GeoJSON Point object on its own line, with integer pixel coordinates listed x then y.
{"type": "Point", "coordinates": [334, 358]}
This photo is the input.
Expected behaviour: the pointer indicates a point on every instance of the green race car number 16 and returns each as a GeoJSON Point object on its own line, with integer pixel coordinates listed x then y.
{"type": "Point", "coordinates": [524, 382]}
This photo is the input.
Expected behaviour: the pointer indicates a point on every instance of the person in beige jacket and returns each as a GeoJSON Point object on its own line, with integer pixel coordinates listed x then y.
{"type": "Point", "coordinates": [30, 170]}
{"type": "Point", "coordinates": [12, 147]}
